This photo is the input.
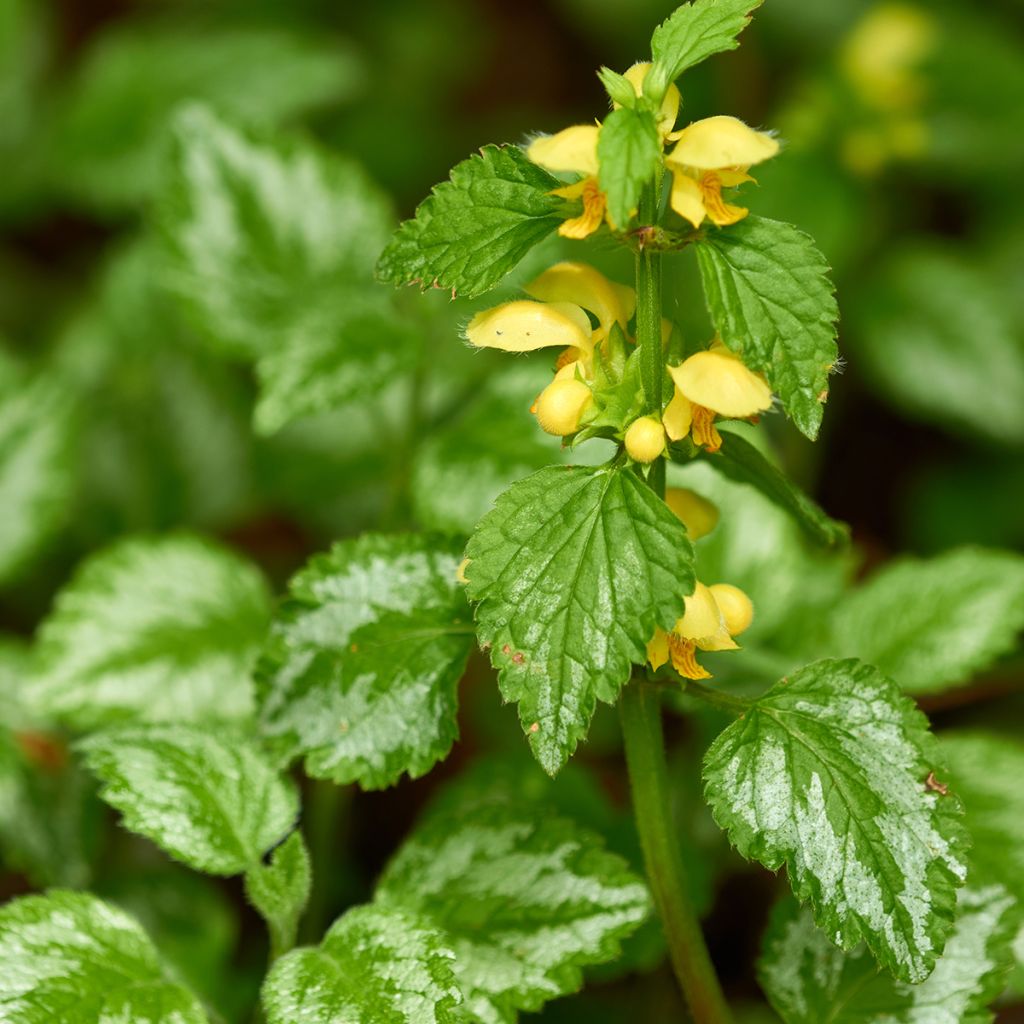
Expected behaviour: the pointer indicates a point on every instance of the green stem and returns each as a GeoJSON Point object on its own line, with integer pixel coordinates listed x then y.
{"type": "Point", "coordinates": [727, 701]}
{"type": "Point", "coordinates": [640, 710]}
{"type": "Point", "coordinates": [648, 313]}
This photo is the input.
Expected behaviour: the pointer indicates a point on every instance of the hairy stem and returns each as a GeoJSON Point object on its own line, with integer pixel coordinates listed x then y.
{"type": "Point", "coordinates": [640, 706]}
{"type": "Point", "coordinates": [640, 710]}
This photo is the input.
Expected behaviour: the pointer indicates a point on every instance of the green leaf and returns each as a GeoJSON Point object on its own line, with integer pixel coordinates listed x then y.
{"type": "Point", "coordinates": [473, 229]}
{"type": "Point", "coordinates": [696, 31]}
{"type": "Point", "coordinates": [379, 964]}
{"type": "Point", "coordinates": [629, 157]}
{"type": "Point", "coordinates": [361, 674]}
{"type": "Point", "coordinates": [826, 774]}
{"type": "Point", "coordinates": [809, 980]}
{"type": "Point", "coordinates": [153, 629]}
{"type": "Point", "coordinates": [739, 460]}
{"type": "Point", "coordinates": [771, 300]}
{"type": "Point", "coordinates": [37, 464]}
{"type": "Point", "coordinates": [111, 135]}
{"type": "Point", "coordinates": [70, 957]}
{"type": "Point", "coordinates": [934, 623]}
{"type": "Point", "coordinates": [937, 336]}
{"type": "Point", "coordinates": [207, 797]}
{"type": "Point", "coordinates": [459, 471]}
{"type": "Point", "coordinates": [259, 236]}
{"type": "Point", "coordinates": [572, 570]}
{"type": "Point", "coordinates": [280, 890]}
{"type": "Point", "coordinates": [524, 897]}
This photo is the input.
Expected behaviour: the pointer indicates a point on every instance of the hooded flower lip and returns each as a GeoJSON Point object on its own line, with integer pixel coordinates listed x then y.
{"type": "Point", "coordinates": [710, 155]}
{"type": "Point", "coordinates": [525, 326]}
{"type": "Point", "coordinates": [719, 380]}
{"type": "Point", "coordinates": [582, 285]}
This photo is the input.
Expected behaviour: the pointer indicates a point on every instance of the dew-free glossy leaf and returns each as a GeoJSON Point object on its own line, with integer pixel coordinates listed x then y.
{"type": "Point", "coordinates": [629, 157]}
{"type": "Point", "coordinates": [810, 980]}
{"type": "Point", "coordinates": [524, 898]}
{"type": "Point", "coordinates": [360, 676]}
{"type": "Point", "coordinates": [153, 629]}
{"type": "Point", "coordinates": [70, 957]}
{"type": "Point", "coordinates": [376, 964]}
{"type": "Point", "coordinates": [475, 227]}
{"type": "Point", "coordinates": [696, 31]}
{"type": "Point", "coordinates": [771, 300]}
{"type": "Point", "coordinates": [933, 623]}
{"type": "Point", "coordinates": [826, 773]}
{"type": "Point", "coordinates": [572, 570]}
{"type": "Point", "coordinates": [207, 797]}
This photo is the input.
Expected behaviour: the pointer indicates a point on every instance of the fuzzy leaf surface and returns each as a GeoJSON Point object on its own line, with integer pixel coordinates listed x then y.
{"type": "Point", "coordinates": [209, 798]}
{"type": "Point", "coordinates": [361, 673]}
{"type": "Point", "coordinates": [524, 898]}
{"type": "Point", "coordinates": [572, 570]}
{"type": "Point", "coordinates": [153, 629]}
{"type": "Point", "coordinates": [696, 31]}
{"type": "Point", "coordinates": [629, 156]}
{"type": "Point", "coordinates": [826, 774]}
{"type": "Point", "coordinates": [933, 623]}
{"type": "Point", "coordinates": [475, 227]}
{"type": "Point", "coordinates": [280, 889]}
{"type": "Point", "coordinates": [809, 980]}
{"type": "Point", "coordinates": [771, 300]}
{"type": "Point", "coordinates": [70, 957]}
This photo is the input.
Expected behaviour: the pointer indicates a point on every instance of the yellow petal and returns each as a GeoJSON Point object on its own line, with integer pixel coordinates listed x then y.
{"type": "Point", "coordinates": [702, 619]}
{"type": "Point", "coordinates": [560, 406]}
{"type": "Point", "coordinates": [584, 286]}
{"type": "Point", "coordinates": [594, 206]}
{"type": "Point", "coordinates": [718, 380]}
{"type": "Point", "coordinates": [572, 149]}
{"type": "Point", "coordinates": [719, 212]}
{"type": "Point", "coordinates": [669, 105]}
{"type": "Point", "coordinates": [460, 571]}
{"type": "Point", "coordinates": [525, 326]}
{"type": "Point", "coordinates": [657, 649]}
{"type": "Point", "coordinates": [698, 515]}
{"type": "Point", "coordinates": [687, 199]}
{"type": "Point", "coordinates": [720, 142]}
{"type": "Point", "coordinates": [737, 609]}
{"type": "Point", "coordinates": [677, 417]}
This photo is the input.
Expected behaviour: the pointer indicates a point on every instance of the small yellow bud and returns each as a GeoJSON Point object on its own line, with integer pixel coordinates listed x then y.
{"type": "Point", "coordinates": [737, 609]}
{"type": "Point", "coordinates": [645, 439]}
{"type": "Point", "coordinates": [560, 406]}
{"type": "Point", "coordinates": [698, 515]}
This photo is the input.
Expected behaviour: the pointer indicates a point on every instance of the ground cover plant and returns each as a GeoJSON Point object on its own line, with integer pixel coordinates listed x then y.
{"type": "Point", "coordinates": [425, 619]}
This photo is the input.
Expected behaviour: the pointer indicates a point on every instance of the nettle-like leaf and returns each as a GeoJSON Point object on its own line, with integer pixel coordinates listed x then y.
{"type": "Point", "coordinates": [931, 624]}
{"type": "Point", "coordinates": [361, 674]}
{"type": "Point", "coordinates": [207, 797]}
{"type": "Point", "coordinates": [524, 898]}
{"type": "Point", "coordinates": [153, 629]}
{"type": "Point", "coordinates": [37, 465]}
{"type": "Point", "coordinates": [770, 298]}
{"type": "Point", "coordinates": [826, 773]}
{"type": "Point", "coordinates": [280, 889]}
{"type": "Point", "coordinates": [809, 980]}
{"type": "Point", "coordinates": [473, 229]}
{"type": "Point", "coordinates": [572, 570]}
{"type": "Point", "coordinates": [739, 460]}
{"type": "Point", "coordinates": [70, 957]}
{"type": "Point", "coordinates": [629, 157]}
{"type": "Point", "coordinates": [698, 30]}
{"type": "Point", "coordinates": [375, 964]}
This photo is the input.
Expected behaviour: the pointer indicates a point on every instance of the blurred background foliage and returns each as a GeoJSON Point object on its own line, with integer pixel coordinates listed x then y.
{"type": "Point", "coordinates": [124, 409]}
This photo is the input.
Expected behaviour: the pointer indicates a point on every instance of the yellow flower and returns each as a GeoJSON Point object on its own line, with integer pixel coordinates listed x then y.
{"type": "Point", "coordinates": [737, 609]}
{"type": "Point", "coordinates": [561, 404]}
{"type": "Point", "coordinates": [710, 155]}
{"type": "Point", "coordinates": [584, 286]}
{"type": "Point", "coordinates": [715, 382]}
{"type": "Point", "coordinates": [525, 326]}
{"type": "Point", "coordinates": [645, 439]}
{"type": "Point", "coordinates": [669, 110]}
{"type": "Point", "coordinates": [574, 150]}
{"type": "Point", "coordinates": [697, 514]}
{"type": "Point", "coordinates": [704, 626]}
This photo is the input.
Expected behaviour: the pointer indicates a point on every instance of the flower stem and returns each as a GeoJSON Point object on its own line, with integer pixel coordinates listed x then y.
{"type": "Point", "coordinates": [640, 705]}
{"type": "Point", "coordinates": [640, 709]}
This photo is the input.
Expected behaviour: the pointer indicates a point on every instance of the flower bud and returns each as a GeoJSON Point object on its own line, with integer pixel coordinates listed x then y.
{"type": "Point", "coordinates": [737, 609]}
{"type": "Point", "coordinates": [645, 439]}
{"type": "Point", "coordinates": [560, 406]}
{"type": "Point", "coordinates": [698, 515]}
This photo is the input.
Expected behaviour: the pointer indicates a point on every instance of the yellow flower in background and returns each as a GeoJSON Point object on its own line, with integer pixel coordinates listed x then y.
{"type": "Point", "coordinates": [711, 155]}
{"type": "Point", "coordinates": [574, 150]}
{"type": "Point", "coordinates": [696, 513]}
{"type": "Point", "coordinates": [713, 383]}
{"type": "Point", "coordinates": [704, 627]}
